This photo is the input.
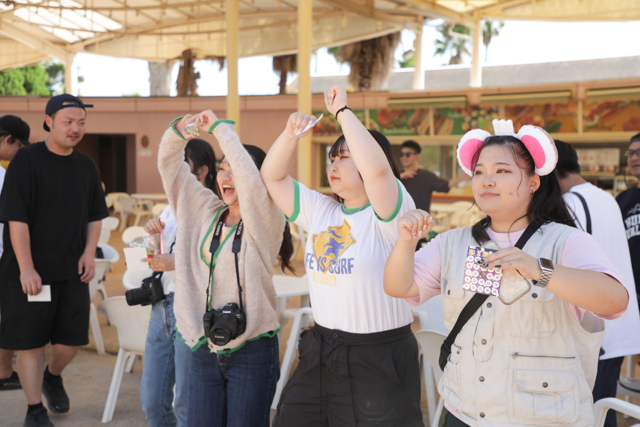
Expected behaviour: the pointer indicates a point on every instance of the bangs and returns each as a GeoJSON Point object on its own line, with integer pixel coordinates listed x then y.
{"type": "Point", "coordinates": [338, 147]}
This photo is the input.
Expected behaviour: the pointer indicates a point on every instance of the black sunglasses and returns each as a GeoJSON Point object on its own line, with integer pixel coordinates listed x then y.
{"type": "Point", "coordinates": [406, 154]}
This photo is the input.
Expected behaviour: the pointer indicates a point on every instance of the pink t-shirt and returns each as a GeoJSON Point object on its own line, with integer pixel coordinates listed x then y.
{"type": "Point", "coordinates": [580, 251]}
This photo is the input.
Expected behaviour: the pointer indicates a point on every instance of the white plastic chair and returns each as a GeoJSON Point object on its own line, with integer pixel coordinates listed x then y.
{"type": "Point", "coordinates": [157, 209]}
{"type": "Point", "coordinates": [602, 406]}
{"type": "Point", "coordinates": [110, 253]}
{"type": "Point", "coordinates": [133, 279]}
{"type": "Point", "coordinates": [93, 315]}
{"type": "Point", "coordinates": [133, 232]}
{"type": "Point", "coordinates": [109, 224]}
{"type": "Point", "coordinates": [299, 239]}
{"type": "Point", "coordinates": [303, 316]}
{"type": "Point", "coordinates": [129, 207]}
{"type": "Point", "coordinates": [102, 267]}
{"type": "Point", "coordinates": [430, 343]}
{"type": "Point", "coordinates": [132, 324]}
{"type": "Point", "coordinates": [287, 287]}
{"type": "Point", "coordinates": [431, 315]}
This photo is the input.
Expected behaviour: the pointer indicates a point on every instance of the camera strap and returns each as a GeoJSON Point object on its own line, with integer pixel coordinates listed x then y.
{"type": "Point", "coordinates": [215, 244]}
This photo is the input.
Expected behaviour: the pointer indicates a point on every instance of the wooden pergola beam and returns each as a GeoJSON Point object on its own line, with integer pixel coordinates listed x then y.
{"type": "Point", "coordinates": [372, 13]}
{"type": "Point", "coordinates": [36, 40]}
{"type": "Point", "coordinates": [435, 10]}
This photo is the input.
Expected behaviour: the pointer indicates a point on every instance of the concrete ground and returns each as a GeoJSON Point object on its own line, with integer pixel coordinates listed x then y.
{"type": "Point", "coordinates": [88, 377]}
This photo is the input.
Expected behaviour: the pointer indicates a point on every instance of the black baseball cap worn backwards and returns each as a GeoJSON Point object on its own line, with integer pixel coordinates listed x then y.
{"type": "Point", "coordinates": [59, 102]}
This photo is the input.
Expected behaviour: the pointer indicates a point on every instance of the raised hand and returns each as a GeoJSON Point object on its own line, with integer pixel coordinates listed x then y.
{"type": "Point", "coordinates": [205, 120]}
{"type": "Point", "coordinates": [297, 122]}
{"type": "Point", "coordinates": [154, 226]}
{"type": "Point", "coordinates": [182, 124]}
{"type": "Point", "coordinates": [414, 225]}
{"type": "Point", "coordinates": [514, 258]}
{"type": "Point", "coordinates": [335, 98]}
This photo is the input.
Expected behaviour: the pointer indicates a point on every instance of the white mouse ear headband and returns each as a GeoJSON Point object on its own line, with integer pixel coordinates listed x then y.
{"type": "Point", "coordinates": [538, 143]}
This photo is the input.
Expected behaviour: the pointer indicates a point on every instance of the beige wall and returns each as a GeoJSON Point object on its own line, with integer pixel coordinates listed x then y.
{"type": "Point", "coordinates": [263, 119]}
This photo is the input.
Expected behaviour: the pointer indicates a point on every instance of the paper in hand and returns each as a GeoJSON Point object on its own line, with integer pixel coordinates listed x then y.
{"type": "Point", "coordinates": [309, 126]}
{"type": "Point", "coordinates": [43, 296]}
{"type": "Point", "coordinates": [133, 257]}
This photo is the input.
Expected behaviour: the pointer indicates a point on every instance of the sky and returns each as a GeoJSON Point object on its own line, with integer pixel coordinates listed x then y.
{"type": "Point", "coordinates": [519, 42]}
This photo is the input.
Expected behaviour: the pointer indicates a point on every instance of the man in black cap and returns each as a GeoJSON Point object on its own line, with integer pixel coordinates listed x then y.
{"type": "Point", "coordinates": [14, 134]}
{"type": "Point", "coordinates": [54, 205]}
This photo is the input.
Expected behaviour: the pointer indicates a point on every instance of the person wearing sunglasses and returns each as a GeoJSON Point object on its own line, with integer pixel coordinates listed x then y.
{"type": "Point", "coordinates": [419, 182]}
{"type": "Point", "coordinates": [629, 201]}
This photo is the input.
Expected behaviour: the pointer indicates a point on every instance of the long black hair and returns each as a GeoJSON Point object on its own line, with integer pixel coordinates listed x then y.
{"type": "Point", "coordinates": [547, 204]}
{"type": "Point", "coordinates": [286, 249]}
{"type": "Point", "coordinates": [383, 142]}
{"type": "Point", "coordinates": [201, 154]}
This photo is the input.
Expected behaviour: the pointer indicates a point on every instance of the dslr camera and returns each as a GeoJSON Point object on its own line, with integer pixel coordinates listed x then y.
{"type": "Point", "coordinates": [225, 324]}
{"type": "Point", "coordinates": [150, 292]}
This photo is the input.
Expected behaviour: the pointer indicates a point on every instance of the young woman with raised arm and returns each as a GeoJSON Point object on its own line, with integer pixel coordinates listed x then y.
{"type": "Point", "coordinates": [359, 364]}
{"type": "Point", "coordinates": [226, 246]}
{"type": "Point", "coordinates": [532, 362]}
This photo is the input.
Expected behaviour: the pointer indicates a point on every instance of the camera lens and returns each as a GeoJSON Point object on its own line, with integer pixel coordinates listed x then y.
{"type": "Point", "coordinates": [224, 329]}
{"type": "Point", "coordinates": [137, 296]}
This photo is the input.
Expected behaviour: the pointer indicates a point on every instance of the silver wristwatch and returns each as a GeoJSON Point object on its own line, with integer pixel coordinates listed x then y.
{"type": "Point", "coordinates": [546, 266]}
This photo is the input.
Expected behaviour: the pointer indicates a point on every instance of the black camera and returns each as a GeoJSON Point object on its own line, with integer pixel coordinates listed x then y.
{"type": "Point", "coordinates": [150, 292]}
{"type": "Point", "coordinates": [225, 324]}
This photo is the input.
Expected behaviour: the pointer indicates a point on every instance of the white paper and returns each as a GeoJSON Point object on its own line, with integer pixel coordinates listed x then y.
{"type": "Point", "coordinates": [43, 296]}
{"type": "Point", "coordinates": [133, 258]}
{"type": "Point", "coordinates": [309, 126]}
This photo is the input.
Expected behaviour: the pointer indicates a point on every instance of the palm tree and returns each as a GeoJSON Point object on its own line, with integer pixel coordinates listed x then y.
{"type": "Point", "coordinates": [284, 65]}
{"type": "Point", "coordinates": [457, 47]}
{"type": "Point", "coordinates": [187, 77]}
{"type": "Point", "coordinates": [370, 61]}
{"type": "Point", "coordinates": [489, 31]}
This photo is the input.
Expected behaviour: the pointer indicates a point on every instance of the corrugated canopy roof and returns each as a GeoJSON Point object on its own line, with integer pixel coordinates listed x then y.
{"type": "Point", "coordinates": [156, 30]}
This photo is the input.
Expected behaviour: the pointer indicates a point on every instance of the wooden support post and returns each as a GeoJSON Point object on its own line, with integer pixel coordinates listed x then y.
{"type": "Point", "coordinates": [305, 15]}
{"type": "Point", "coordinates": [232, 12]}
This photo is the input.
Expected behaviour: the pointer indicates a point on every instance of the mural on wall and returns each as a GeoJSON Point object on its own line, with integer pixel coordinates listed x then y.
{"type": "Point", "coordinates": [329, 126]}
{"type": "Point", "coordinates": [399, 122]}
{"type": "Point", "coordinates": [611, 116]}
{"type": "Point", "coordinates": [553, 118]}
{"type": "Point", "coordinates": [458, 120]}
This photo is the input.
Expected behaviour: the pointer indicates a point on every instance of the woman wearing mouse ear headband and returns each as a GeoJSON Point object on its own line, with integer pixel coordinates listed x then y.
{"type": "Point", "coordinates": [533, 361]}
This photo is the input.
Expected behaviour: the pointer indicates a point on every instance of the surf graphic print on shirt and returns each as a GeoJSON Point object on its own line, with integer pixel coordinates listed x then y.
{"type": "Point", "coordinates": [328, 246]}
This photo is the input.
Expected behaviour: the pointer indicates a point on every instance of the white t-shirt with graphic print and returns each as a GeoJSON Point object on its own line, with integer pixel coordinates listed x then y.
{"type": "Point", "coordinates": [344, 259]}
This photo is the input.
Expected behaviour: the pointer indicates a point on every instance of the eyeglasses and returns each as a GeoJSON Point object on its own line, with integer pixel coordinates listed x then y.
{"type": "Point", "coordinates": [406, 154]}
{"type": "Point", "coordinates": [631, 153]}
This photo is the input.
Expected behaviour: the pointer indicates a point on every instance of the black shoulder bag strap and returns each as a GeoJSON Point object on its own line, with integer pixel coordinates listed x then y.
{"type": "Point", "coordinates": [586, 210]}
{"type": "Point", "coordinates": [474, 304]}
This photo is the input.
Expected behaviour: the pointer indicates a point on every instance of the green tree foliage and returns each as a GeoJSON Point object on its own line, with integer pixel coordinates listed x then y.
{"type": "Point", "coordinates": [55, 82]}
{"type": "Point", "coordinates": [30, 80]}
{"type": "Point", "coordinates": [460, 48]}
{"type": "Point", "coordinates": [488, 32]}
{"type": "Point", "coordinates": [457, 47]}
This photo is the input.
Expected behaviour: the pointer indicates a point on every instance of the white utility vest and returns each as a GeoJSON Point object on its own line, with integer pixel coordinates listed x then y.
{"type": "Point", "coordinates": [526, 364]}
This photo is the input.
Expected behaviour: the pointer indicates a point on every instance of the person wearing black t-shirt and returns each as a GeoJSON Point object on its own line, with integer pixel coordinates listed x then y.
{"type": "Point", "coordinates": [629, 201]}
{"type": "Point", "coordinates": [53, 203]}
{"type": "Point", "coordinates": [420, 183]}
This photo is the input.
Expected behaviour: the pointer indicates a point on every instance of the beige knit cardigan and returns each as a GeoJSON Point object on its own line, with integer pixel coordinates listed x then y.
{"type": "Point", "coordinates": [195, 208]}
